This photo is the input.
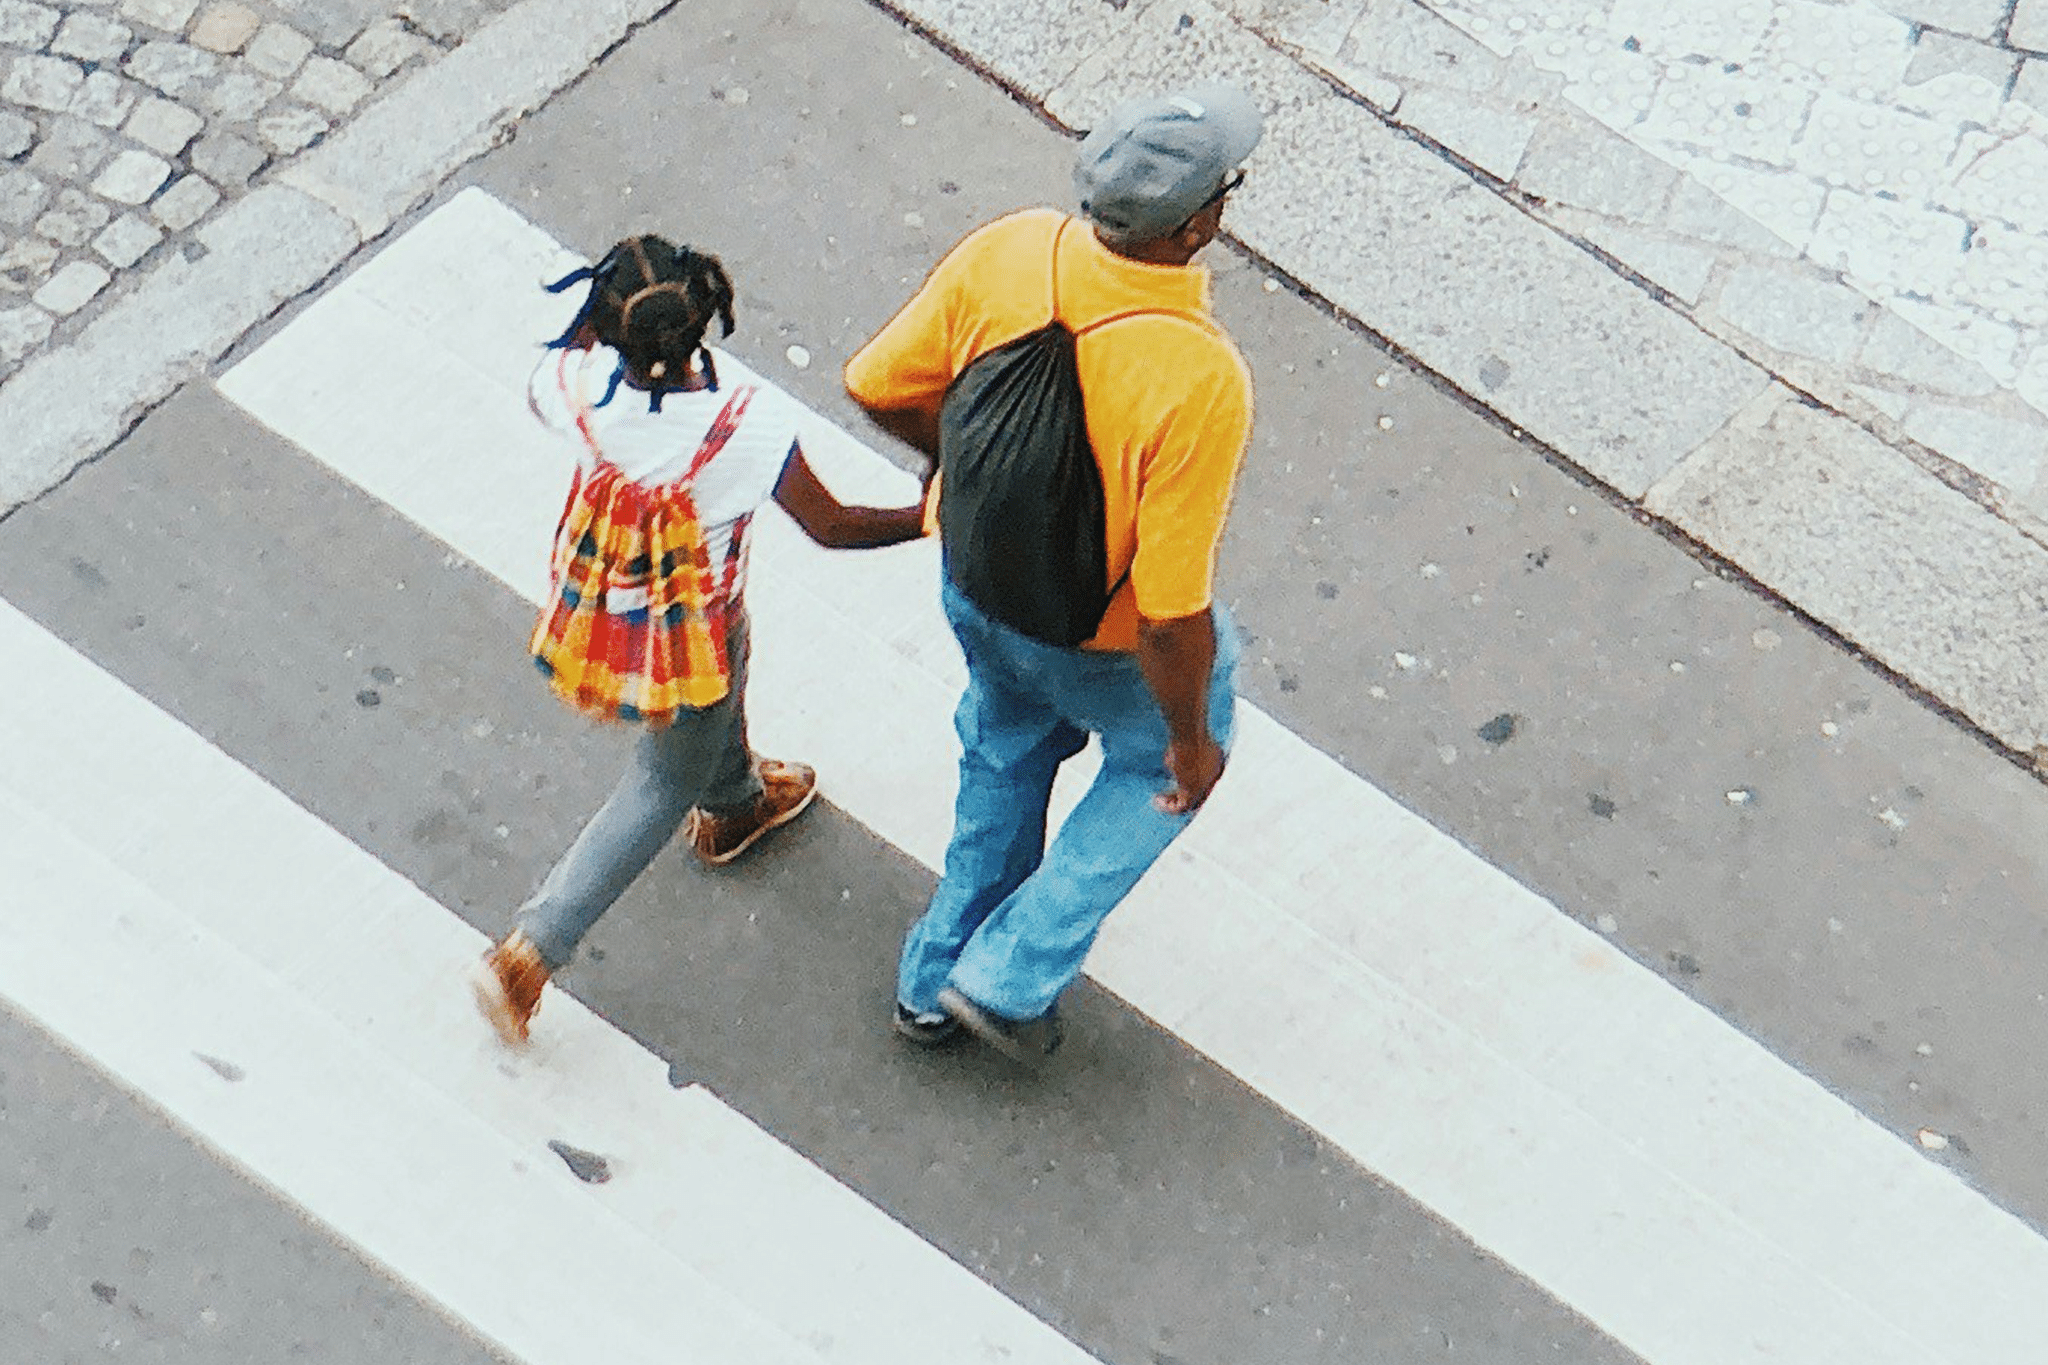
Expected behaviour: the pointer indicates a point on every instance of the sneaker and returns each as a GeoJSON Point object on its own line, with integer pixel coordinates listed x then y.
{"type": "Point", "coordinates": [508, 983]}
{"type": "Point", "coordinates": [1027, 1042]}
{"type": "Point", "coordinates": [786, 791]}
{"type": "Point", "coordinates": [926, 1028]}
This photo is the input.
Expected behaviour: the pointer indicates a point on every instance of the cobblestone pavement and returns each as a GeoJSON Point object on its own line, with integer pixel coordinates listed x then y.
{"type": "Point", "coordinates": [124, 124]}
{"type": "Point", "coordinates": [1892, 153]}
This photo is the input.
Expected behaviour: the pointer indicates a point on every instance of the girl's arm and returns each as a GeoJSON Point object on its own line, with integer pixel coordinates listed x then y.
{"type": "Point", "coordinates": [831, 522]}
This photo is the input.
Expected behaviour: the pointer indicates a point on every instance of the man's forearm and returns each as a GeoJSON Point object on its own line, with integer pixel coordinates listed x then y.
{"type": "Point", "coordinates": [1176, 657]}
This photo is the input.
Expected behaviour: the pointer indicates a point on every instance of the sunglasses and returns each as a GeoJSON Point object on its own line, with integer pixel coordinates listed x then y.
{"type": "Point", "coordinates": [1230, 184]}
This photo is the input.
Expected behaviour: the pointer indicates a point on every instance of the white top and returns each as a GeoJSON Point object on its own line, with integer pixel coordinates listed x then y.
{"type": "Point", "coordinates": [655, 448]}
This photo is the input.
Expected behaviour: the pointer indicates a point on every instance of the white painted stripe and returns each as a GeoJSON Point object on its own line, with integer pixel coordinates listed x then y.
{"type": "Point", "coordinates": [165, 905]}
{"type": "Point", "coordinates": [1647, 1164]}
{"type": "Point", "coordinates": [118, 973]}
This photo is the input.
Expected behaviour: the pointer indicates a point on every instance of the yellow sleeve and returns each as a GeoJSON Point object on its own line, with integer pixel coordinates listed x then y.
{"type": "Point", "coordinates": [1185, 495]}
{"type": "Point", "coordinates": [909, 362]}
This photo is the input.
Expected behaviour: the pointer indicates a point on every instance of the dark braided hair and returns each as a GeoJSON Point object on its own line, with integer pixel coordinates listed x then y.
{"type": "Point", "coordinates": [652, 302]}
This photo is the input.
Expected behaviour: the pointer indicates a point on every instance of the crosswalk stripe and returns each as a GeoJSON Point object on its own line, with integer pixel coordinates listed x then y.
{"type": "Point", "coordinates": [1690, 1194]}
{"type": "Point", "coordinates": [298, 1006]}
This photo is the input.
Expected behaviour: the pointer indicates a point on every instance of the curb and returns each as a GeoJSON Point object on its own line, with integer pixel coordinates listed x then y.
{"type": "Point", "coordinates": [68, 406]}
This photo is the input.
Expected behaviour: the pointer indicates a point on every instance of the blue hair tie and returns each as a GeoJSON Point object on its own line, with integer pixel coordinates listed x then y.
{"type": "Point", "coordinates": [569, 281]}
{"type": "Point", "coordinates": [561, 343]}
{"type": "Point", "coordinates": [611, 390]}
{"type": "Point", "coordinates": [574, 277]}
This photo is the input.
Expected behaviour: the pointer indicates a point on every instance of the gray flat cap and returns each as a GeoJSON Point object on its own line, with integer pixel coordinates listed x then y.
{"type": "Point", "coordinates": [1153, 162]}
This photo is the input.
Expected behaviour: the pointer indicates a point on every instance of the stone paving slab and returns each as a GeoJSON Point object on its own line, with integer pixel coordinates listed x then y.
{"type": "Point", "coordinates": [1039, 44]}
{"type": "Point", "coordinates": [1616, 221]}
{"type": "Point", "coordinates": [132, 348]}
{"type": "Point", "coordinates": [1892, 148]}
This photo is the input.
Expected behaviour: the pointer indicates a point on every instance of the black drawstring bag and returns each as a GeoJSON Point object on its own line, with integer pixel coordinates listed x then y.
{"type": "Point", "coordinates": [1021, 512]}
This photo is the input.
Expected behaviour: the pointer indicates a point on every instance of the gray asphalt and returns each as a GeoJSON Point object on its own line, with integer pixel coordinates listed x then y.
{"type": "Point", "coordinates": [120, 1239]}
{"type": "Point", "coordinates": [1134, 1197]}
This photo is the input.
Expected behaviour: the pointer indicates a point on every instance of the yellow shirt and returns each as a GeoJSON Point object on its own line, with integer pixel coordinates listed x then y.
{"type": "Point", "coordinates": [1168, 397]}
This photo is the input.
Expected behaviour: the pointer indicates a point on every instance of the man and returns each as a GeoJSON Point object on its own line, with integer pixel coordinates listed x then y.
{"type": "Point", "coordinates": [1167, 402]}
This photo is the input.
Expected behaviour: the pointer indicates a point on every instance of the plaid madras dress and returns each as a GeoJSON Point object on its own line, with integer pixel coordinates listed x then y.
{"type": "Point", "coordinates": [637, 618]}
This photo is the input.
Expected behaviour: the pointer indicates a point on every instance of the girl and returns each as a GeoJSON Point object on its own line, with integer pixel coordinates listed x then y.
{"type": "Point", "coordinates": [647, 621]}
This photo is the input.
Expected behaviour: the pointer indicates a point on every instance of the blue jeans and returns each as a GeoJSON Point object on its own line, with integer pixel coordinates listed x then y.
{"type": "Point", "coordinates": [702, 759]}
{"type": "Point", "coordinates": [1012, 920]}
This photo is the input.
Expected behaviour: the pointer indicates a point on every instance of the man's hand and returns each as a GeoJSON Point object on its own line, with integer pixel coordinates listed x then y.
{"type": "Point", "coordinates": [1194, 770]}
{"type": "Point", "coordinates": [1175, 656]}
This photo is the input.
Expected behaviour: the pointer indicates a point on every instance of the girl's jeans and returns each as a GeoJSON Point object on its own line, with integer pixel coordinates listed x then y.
{"type": "Point", "coordinates": [700, 760]}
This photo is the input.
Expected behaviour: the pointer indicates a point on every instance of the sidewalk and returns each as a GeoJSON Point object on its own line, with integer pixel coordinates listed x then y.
{"type": "Point", "coordinates": [1774, 272]}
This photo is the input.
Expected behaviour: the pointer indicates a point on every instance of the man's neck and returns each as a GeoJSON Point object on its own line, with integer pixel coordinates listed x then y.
{"type": "Point", "coordinates": [1161, 251]}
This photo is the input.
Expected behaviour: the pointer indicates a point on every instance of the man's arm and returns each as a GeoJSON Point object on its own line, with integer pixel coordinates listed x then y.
{"type": "Point", "coordinates": [1181, 509]}
{"type": "Point", "coordinates": [1176, 657]}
